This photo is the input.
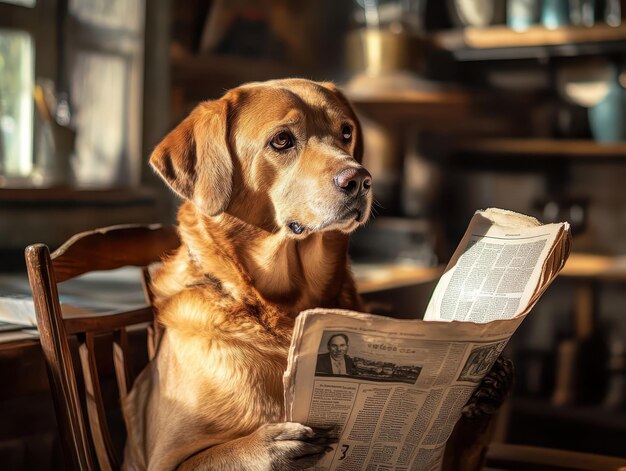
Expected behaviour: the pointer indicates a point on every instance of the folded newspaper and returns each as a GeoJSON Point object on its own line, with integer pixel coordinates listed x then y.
{"type": "Point", "coordinates": [395, 388]}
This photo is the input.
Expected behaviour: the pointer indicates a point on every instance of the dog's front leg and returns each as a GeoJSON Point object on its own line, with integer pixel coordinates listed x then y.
{"type": "Point", "coordinates": [272, 447]}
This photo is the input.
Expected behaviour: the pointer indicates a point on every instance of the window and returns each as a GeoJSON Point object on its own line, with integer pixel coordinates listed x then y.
{"type": "Point", "coordinates": [106, 61]}
{"type": "Point", "coordinates": [24, 3]}
{"type": "Point", "coordinates": [91, 51]}
{"type": "Point", "coordinates": [16, 103]}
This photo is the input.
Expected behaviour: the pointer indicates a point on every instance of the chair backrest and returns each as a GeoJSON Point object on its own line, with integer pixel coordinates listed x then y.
{"type": "Point", "coordinates": [69, 341]}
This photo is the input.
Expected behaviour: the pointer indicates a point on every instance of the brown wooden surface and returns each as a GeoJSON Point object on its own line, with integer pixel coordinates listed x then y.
{"type": "Point", "coordinates": [502, 36]}
{"type": "Point", "coordinates": [190, 69]}
{"type": "Point", "coordinates": [596, 267]}
{"type": "Point", "coordinates": [457, 110]}
{"type": "Point", "coordinates": [102, 249]}
{"type": "Point", "coordinates": [527, 458]}
{"type": "Point", "coordinates": [52, 195]}
{"type": "Point", "coordinates": [540, 148]}
{"type": "Point", "coordinates": [29, 437]}
{"type": "Point", "coordinates": [107, 322]}
{"type": "Point", "coordinates": [77, 451]}
{"type": "Point", "coordinates": [441, 98]}
{"type": "Point", "coordinates": [113, 247]}
{"type": "Point", "coordinates": [100, 433]}
{"type": "Point", "coordinates": [379, 277]}
{"type": "Point", "coordinates": [15, 357]}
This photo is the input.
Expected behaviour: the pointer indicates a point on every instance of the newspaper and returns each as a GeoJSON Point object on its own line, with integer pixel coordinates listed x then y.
{"type": "Point", "coordinates": [395, 388]}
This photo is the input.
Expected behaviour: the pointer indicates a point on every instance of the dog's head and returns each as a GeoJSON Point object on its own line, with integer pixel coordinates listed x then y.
{"type": "Point", "coordinates": [284, 155]}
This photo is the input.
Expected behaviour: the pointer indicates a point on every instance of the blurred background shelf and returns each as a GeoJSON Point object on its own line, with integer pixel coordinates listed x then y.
{"type": "Point", "coordinates": [501, 42]}
{"type": "Point", "coordinates": [72, 196]}
{"type": "Point", "coordinates": [567, 427]}
{"type": "Point", "coordinates": [200, 77]}
{"type": "Point", "coordinates": [445, 110]}
{"type": "Point", "coordinates": [541, 148]}
{"type": "Point", "coordinates": [200, 67]}
{"type": "Point", "coordinates": [595, 415]}
{"type": "Point", "coordinates": [377, 277]}
{"type": "Point", "coordinates": [598, 267]}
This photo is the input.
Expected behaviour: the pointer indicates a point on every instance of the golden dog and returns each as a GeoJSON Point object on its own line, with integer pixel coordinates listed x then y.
{"type": "Point", "coordinates": [273, 184]}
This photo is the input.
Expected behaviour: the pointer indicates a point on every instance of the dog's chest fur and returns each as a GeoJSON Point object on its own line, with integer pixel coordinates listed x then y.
{"type": "Point", "coordinates": [299, 275]}
{"type": "Point", "coordinates": [229, 311]}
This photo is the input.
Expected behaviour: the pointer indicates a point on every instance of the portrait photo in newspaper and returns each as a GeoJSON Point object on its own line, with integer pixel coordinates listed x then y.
{"type": "Point", "coordinates": [346, 354]}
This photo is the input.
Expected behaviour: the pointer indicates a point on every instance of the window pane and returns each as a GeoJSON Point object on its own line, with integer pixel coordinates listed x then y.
{"type": "Point", "coordinates": [24, 3]}
{"type": "Point", "coordinates": [16, 103]}
{"type": "Point", "coordinates": [115, 14]}
{"type": "Point", "coordinates": [99, 87]}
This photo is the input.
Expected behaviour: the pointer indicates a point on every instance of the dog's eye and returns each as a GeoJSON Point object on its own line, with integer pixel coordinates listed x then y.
{"type": "Point", "coordinates": [282, 141]}
{"type": "Point", "coordinates": [346, 132]}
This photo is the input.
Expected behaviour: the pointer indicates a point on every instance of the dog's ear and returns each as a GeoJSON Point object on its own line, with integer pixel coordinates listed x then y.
{"type": "Point", "coordinates": [194, 159]}
{"type": "Point", "coordinates": [358, 147]}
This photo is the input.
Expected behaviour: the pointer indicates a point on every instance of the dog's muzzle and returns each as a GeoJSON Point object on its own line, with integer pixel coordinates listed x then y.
{"type": "Point", "coordinates": [354, 182]}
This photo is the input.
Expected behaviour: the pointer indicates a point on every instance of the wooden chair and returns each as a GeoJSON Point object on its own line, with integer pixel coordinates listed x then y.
{"type": "Point", "coordinates": [69, 341]}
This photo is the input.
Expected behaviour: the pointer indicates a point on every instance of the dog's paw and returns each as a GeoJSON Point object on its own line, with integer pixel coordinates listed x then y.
{"type": "Point", "coordinates": [293, 446]}
{"type": "Point", "coordinates": [492, 391]}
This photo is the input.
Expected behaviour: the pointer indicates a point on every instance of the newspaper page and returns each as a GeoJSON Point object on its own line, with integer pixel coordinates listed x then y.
{"type": "Point", "coordinates": [500, 268]}
{"type": "Point", "coordinates": [399, 389]}
{"type": "Point", "coordinates": [395, 388]}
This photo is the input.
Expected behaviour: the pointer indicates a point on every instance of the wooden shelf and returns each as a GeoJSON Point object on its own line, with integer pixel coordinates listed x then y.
{"type": "Point", "coordinates": [496, 37]}
{"type": "Point", "coordinates": [377, 277]}
{"type": "Point", "coordinates": [202, 66]}
{"type": "Point", "coordinates": [595, 267]}
{"type": "Point", "coordinates": [415, 97]}
{"type": "Point", "coordinates": [501, 42]}
{"type": "Point", "coordinates": [196, 78]}
{"type": "Point", "coordinates": [449, 110]}
{"type": "Point", "coordinates": [431, 108]}
{"type": "Point", "coordinates": [73, 196]}
{"type": "Point", "coordinates": [541, 148]}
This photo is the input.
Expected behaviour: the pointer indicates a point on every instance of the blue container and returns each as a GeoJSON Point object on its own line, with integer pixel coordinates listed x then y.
{"type": "Point", "coordinates": [555, 13]}
{"type": "Point", "coordinates": [520, 14]}
{"type": "Point", "coordinates": [607, 119]}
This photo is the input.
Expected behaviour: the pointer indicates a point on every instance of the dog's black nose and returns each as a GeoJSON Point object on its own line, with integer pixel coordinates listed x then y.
{"type": "Point", "coordinates": [353, 181]}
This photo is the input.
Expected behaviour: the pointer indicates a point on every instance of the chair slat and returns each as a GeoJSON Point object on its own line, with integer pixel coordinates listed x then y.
{"type": "Point", "coordinates": [145, 283]}
{"type": "Point", "coordinates": [152, 341]}
{"type": "Point", "coordinates": [95, 407]}
{"type": "Point", "coordinates": [74, 439]}
{"type": "Point", "coordinates": [154, 330]}
{"type": "Point", "coordinates": [121, 362]}
{"type": "Point", "coordinates": [108, 322]}
{"type": "Point", "coordinates": [113, 247]}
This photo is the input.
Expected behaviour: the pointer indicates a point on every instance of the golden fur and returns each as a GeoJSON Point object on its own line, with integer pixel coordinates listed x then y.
{"type": "Point", "coordinates": [228, 297]}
